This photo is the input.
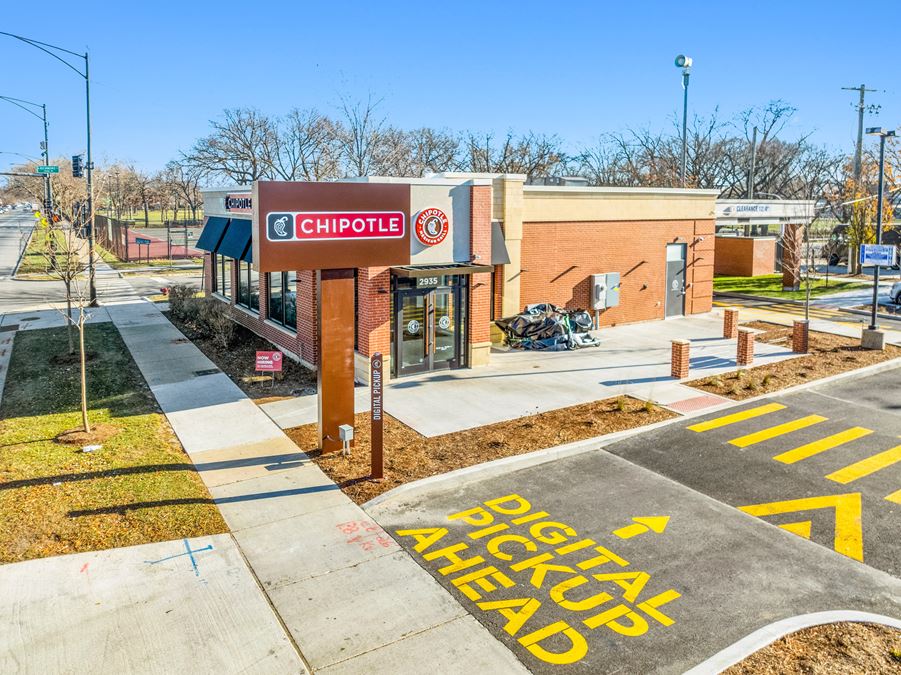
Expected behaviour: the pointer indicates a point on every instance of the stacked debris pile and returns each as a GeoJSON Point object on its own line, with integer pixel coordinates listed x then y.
{"type": "Point", "coordinates": [550, 328]}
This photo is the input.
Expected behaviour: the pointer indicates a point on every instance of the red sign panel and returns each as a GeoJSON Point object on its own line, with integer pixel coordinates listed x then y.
{"type": "Point", "coordinates": [269, 362]}
{"type": "Point", "coordinates": [239, 203]}
{"type": "Point", "coordinates": [431, 226]}
{"type": "Point", "coordinates": [332, 225]}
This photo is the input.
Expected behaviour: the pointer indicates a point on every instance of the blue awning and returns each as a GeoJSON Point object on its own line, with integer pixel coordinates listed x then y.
{"type": "Point", "coordinates": [236, 241]}
{"type": "Point", "coordinates": [212, 233]}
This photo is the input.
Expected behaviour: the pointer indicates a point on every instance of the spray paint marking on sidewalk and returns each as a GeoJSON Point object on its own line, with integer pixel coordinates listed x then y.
{"type": "Point", "coordinates": [188, 552]}
{"type": "Point", "coordinates": [525, 567]}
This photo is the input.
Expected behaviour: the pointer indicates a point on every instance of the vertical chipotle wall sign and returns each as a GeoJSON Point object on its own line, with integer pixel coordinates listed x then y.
{"type": "Point", "coordinates": [330, 225]}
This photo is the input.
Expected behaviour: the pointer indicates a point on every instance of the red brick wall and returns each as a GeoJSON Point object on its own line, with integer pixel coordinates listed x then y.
{"type": "Point", "coordinates": [480, 245]}
{"type": "Point", "coordinates": [637, 250]}
{"type": "Point", "coordinates": [373, 310]}
{"type": "Point", "coordinates": [745, 256]}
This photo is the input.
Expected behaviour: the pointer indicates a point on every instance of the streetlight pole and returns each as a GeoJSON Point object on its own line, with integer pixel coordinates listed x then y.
{"type": "Point", "coordinates": [880, 192]}
{"type": "Point", "coordinates": [46, 47]}
{"type": "Point", "coordinates": [684, 62]}
{"type": "Point", "coordinates": [48, 190]}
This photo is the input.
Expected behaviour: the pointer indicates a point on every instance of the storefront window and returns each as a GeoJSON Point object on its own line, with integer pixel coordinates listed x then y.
{"type": "Point", "coordinates": [222, 278]}
{"type": "Point", "coordinates": [248, 286]}
{"type": "Point", "coordinates": [283, 299]}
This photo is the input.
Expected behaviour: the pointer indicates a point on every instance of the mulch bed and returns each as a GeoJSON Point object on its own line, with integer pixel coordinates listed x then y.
{"type": "Point", "coordinates": [410, 456]}
{"type": "Point", "coordinates": [239, 360]}
{"type": "Point", "coordinates": [828, 355]}
{"type": "Point", "coordinates": [836, 649]}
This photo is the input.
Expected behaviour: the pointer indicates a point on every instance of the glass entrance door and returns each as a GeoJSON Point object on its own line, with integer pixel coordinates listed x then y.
{"type": "Point", "coordinates": [429, 328]}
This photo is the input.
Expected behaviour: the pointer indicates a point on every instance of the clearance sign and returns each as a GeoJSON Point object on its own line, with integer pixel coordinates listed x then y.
{"type": "Point", "coordinates": [316, 226]}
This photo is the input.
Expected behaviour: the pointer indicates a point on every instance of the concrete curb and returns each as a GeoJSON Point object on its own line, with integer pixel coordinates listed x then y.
{"type": "Point", "coordinates": [460, 477]}
{"type": "Point", "coordinates": [22, 254]}
{"type": "Point", "coordinates": [769, 634]}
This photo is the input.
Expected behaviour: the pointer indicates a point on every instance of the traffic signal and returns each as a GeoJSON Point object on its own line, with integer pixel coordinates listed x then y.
{"type": "Point", "coordinates": [77, 166]}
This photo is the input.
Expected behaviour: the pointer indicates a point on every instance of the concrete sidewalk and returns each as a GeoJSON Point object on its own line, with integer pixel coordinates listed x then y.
{"type": "Point", "coordinates": [632, 360]}
{"type": "Point", "coordinates": [350, 598]}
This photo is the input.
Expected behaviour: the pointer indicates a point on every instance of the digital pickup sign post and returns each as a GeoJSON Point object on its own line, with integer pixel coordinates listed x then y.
{"type": "Point", "coordinates": [332, 228]}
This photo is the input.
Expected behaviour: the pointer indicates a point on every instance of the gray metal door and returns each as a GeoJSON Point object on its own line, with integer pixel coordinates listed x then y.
{"type": "Point", "coordinates": [675, 279]}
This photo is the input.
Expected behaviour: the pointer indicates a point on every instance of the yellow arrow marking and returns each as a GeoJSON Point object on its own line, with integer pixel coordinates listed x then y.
{"type": "Point", "coordinates": [822, 445]}
{"type": "Point", "coordinates": [718, 422]}
{"type": "Point", "coordinates": [642, 524]}
{"type": "Point", "coordinates": [802, 528]}
{"type": "Point", "coordinates": [895, 497]}
{"type": "Point", "coordinates": [866, 466]}
{"type": "Point", "coordinates": [848, 539]}
{"type": "Point", "coordinates": [778, 430]}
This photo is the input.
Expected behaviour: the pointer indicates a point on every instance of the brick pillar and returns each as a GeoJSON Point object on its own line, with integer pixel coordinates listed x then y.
{"type": "Point", "coordinates": [264, 295]}
{"type": "Point", "coordinates": [746, 346]}
{"type": "Point", "coordinates": [374, 311]}
{"type": "Point", "coordinates": [207, 273]}
{"type": "Point", "coordinates": [800, 337]}
{"type": "Point", "coordinates": [730, 324]}
{"type": "Point", "coordinates": [480, 284]}
{"type": "Point", "coordinates": [792, 241]}
{"type": "Point", "coordinates": [307, 317]}
{"type": "Point", "coordinates": [680, 359]}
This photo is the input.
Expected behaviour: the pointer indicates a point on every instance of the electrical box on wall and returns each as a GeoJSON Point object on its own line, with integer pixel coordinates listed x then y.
{"type": "Point", "coordinates": [604, 290]}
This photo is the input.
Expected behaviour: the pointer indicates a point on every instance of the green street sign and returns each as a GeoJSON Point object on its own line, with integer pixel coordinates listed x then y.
{"type": "Point", "coordinates": [47, 168]}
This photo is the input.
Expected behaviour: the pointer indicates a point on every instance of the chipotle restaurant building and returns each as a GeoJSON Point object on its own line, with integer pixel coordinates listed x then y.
{"type": "Point", "coordinates": [463, 249]}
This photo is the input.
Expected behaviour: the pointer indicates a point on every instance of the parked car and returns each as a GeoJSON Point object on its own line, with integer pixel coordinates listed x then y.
{"type": "Point", "coordinates": [895, 293]}
{"type": "Point", "coordinates": [836, 249]}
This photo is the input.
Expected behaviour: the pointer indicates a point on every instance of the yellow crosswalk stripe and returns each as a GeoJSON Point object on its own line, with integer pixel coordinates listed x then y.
{"type": "Point", "coordinates": [778, 430]}
{"type": "Point", "coordinates": [750, 413]}
{"type": "Point", "coordinates": [815, 448]}
{"type": "Point", "coordinates": [895, 497]}
{"type": "Point", "coordinates": [866, 466]}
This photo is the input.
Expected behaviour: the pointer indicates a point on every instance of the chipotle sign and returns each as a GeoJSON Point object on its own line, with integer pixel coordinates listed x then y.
{"type": "Point", "coordinates": [300, 226]}
{"type": "Point", "coordinates": [334, 225]}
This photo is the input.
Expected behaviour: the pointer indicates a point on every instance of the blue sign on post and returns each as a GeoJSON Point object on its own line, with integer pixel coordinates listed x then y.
{"type": "Point", "coordinates": [882, 255]}
{"type": "Point", "coordinates": [139, 240]}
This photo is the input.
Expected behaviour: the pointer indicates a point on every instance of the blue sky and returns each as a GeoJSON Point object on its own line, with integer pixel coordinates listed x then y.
{"type": "Point", "coordinates": [161, 70]}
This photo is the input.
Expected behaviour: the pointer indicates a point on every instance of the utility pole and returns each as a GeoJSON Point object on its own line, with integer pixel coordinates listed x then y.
{"type": "Point", "coordinates": [861, 109]}
{"type": "Point", "coordinates": [684, 62]}
{"type": "Point", "coordinates": [750, 190]}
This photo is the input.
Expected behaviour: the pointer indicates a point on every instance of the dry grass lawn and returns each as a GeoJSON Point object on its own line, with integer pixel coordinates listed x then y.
{"type": "Point", "coordinates": [410, 456]}
{"type": "Point", "coordinates": [139, 487]}
{"type": "Point", "coordinates": [828, 355]}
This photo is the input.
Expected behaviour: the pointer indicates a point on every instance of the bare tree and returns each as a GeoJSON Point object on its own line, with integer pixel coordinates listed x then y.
{"type": "Point", "coordinates": [306, 146]}
{"type": "Point", "coordinates": [239, 146]}
{"type": "Point", "coordinates": [183, 179]}
{"type": "Point", "coordinates": [362, 136]}
{"type": "Point", "coordinates": [532, 154]}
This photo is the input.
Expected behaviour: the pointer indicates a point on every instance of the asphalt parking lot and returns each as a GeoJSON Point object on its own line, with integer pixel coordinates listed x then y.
{"type": "Point", "coordinates": [824, 463]}
{"type": "Point", "coordinates": [592, 564]}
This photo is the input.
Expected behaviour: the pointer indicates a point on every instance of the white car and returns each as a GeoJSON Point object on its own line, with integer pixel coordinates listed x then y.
{"type": "Point", "coordinates": [895, 293]}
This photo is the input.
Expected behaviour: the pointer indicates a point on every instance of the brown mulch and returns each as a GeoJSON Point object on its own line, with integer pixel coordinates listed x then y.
{"type": "Point", "coordinates": [827, 355]}
{"type": "Point", "coordinates": [67, 359]}
{"type": "Point", "coordinates": [98, 434]}
{"type": "Point", "coordinates": [836, 649]}
{"type": "Point", "coordinates": [410, 456]}
{"type": "Point", "coordinates": [239, 360]}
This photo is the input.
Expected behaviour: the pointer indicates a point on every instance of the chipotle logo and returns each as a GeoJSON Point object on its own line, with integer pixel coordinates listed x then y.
{"type": "Point", "coordinates": [331, 225]}
{"type": "Point", "coordinates": [431, 226]}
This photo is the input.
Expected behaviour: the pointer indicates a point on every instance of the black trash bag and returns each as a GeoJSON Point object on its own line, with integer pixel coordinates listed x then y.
{"type": "Point", "coordinates": [581, 321]}
{"type": "Point", "coordinates": [547, 327]}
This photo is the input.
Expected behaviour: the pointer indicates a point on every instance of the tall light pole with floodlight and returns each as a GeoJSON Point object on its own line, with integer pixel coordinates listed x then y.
{"type": "Point", "coordinates": [684, 62]}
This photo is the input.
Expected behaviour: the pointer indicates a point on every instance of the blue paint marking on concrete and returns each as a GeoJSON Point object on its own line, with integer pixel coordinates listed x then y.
{"type": "Point", "coordinates": [188, 552]}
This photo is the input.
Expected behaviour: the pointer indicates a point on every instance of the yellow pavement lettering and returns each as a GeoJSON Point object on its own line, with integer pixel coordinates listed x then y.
{"type": "Point", "coordinates": [649, 607]}
{"type": "Point", "coordinates": [637, 624]}
{"type": "Point", "coordinates": [457, 563]}
{"type": "Point", "coordinates": [510, 505]}
{"type": "Point", "coordinates": [482, 579]}
{"type": "Point", "coordinates": [494, 545]}
{"type": "Point", "coordinates": [776, 431]}
{"type": "Point", "coordinates": [558, 595]}
{"type": "Point", "coordinates": [656, 524]}
{"type": "Point", "coordinates": [561, 536]}
{"type": "Point", "coordinates": [866, 466]}
{"type": "Point", "coordinates": [632, 583]}
{"type": "Point", "coordinates": [801, 528]}
{"type": "Point", "coordinates": [577, 650]}
{"type": "Point", "coordinates": [895, 497]}
{"type": "Point", "coordinates": [726, 420]}
{"type": "Point", "coordinates": [424, 537]}
{"type": "Point", "coordinates": [485, 531]}
{"type": "Point", "coordinates": [815, 448]}
{"type": "Point", "coordinates": [848, 537]}
{"type": "Point", "coordinates": [540, 568]}
{"type": "Point", "coordinates": [606, 556]}
{"type": "Point", "coordinates": [516, 612]}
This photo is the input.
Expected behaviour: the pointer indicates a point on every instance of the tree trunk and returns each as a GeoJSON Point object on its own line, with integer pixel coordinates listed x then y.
{"type": "Point", "coordinates": [146, 216]}
{"type": "Point", "coordinates": [84, 379]}
{"type": "Point", "coordinates": [69, 316]}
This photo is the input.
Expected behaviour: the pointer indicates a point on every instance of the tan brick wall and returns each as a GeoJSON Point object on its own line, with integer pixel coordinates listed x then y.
{"type": "Point", "coordinates": [480, 245]}
{"type": "Point", "coordinates": [745, 256]}
{"type": "Point", "coordinates": [374, 310]}
{"type": "Point", "coordinates": [558, 258]}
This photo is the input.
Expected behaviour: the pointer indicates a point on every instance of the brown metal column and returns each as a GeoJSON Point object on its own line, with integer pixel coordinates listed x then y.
{"type": "Point", "coordinates": [336, 354]}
